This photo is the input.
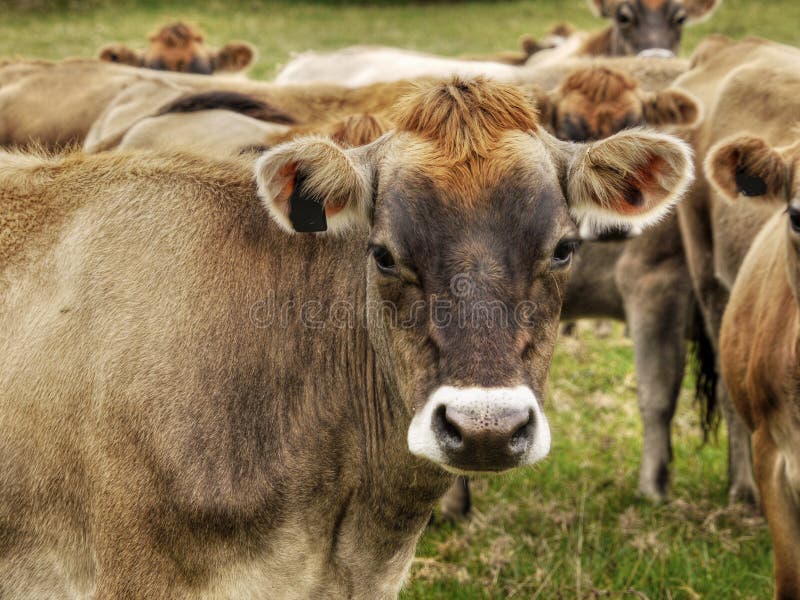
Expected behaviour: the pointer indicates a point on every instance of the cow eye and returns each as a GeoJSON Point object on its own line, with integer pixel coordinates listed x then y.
{"type": "Point", "coordinates": [680, 18]}
{"type": "Point", "coordinates": [562, 255]}
{"type": "Point", "coordinates": [794, 219]}
{"type": "Point", "coordinates": [384, 260]}
{"type": "Point", "coordinates": [625, 16]}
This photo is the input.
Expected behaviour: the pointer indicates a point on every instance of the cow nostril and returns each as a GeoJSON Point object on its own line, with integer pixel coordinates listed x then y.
{"type": "Point", "coordinates": [519, 439]}
{"type": "Point", "coordinates": [448, 432]}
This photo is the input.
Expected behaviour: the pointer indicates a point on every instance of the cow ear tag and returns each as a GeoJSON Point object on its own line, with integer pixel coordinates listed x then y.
{"type": "Point", "coordinates": [306, 214]}
{"type": "Point", "coordinates": [750, 185]}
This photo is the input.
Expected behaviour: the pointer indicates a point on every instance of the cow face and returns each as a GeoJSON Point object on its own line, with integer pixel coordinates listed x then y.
{"type": "Point", "coordinates": [181, 48]}
{"type": "Point", "coordinates": [473, 214]}
{"type": "Point", "coordinates": [749, 166]}
{"type": "Point", "coordinates": [650, 27]}
{"type": "Point", "coordinates": [596, 102]}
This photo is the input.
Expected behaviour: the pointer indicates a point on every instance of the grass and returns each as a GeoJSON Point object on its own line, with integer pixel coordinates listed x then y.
{"type": "Point", "coordinates": [573, 527]}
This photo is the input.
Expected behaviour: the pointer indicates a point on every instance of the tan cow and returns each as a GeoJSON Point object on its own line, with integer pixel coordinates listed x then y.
{"type": "Point", "coordinates": [760, 334]}
{"type": "Point", "coordinates": [197, 403]}
{"type": "Point", "coordinates": [181, 47]}
{"type": "Point", "coordinates": [750, 87]}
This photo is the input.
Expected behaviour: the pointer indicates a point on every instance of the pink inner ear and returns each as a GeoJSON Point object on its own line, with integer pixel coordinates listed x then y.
{"type": "Point", "coordinates": [640, 191]}
{"type": "Point", "coordinates": [288, 171]}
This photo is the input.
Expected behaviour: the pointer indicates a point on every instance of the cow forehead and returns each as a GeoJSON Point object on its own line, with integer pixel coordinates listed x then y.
{"type": "Point", "coordinates": [521, 210]}
{"type": "Point", "coordinates": [464, 184]}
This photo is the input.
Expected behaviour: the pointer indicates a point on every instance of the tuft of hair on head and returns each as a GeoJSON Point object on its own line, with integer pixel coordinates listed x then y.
{"type": "Point", "coordinates": [178, 34]}
{"type": "Point", "coordinates": [357, 130]}
{"type": "Point", "coordinates": [598, 83]}
{"type": "Point", "coordinates": [465, 118]}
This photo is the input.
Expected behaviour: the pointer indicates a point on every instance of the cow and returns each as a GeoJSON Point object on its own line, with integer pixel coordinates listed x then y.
{"type": "Point", "coordinates": [181, 47]}
{"type": "Point", "coordinates": [196, 401]}
{"type": "Point", "coordinates": [752, 86]}
{"type": "Point", "coordinates": [760, 333]}
{"type": "Point", "coordinates": [646, 28]}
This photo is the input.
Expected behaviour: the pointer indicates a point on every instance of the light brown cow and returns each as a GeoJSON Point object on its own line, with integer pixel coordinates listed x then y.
{"type": "Point", "coordinates": [753, 87]}
{"type": "Point", "coordinates": [196, 403]}
{"type": "Point", "coordinates": [760, 335]}
{"type": "Point", "coordinates": [181, 47]}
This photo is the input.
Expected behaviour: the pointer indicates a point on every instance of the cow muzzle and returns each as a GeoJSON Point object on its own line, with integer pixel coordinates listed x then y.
{"type": "Point", "coordinates": [656, 53]}
{"type": "Point", "coordinates": [480, 429]}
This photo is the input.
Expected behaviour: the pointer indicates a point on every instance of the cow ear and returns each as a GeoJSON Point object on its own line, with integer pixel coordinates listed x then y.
{"type": "Point", "coordinates": [746, 165]}
{"type": "Point", "coordinates": [312, 185]}
{"type": "Point", "coordinates": [121, 54]}
{"type": "Point", "coordinates": [631, 179]}
{"type": "Point", "coordinates": [235, 56]}
{"type": "Point", "coordinates": [546, 106]}
{"type": "Point", "coordinates": [599, 8]}
{"type": "Point", "coordinates": [670, 107]}
{"type": "Point", "coordinates": [700, 10]}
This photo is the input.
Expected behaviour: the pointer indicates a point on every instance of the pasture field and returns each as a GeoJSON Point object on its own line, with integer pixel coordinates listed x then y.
{"type": "Point", "coordinates": [573, 527]}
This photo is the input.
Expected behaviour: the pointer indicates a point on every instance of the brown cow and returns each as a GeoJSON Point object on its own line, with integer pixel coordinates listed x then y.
{"type": "Point", "coordinates": [753, 87]}
{"type": "Point", "coordinates": [181, 47]}
{"type": "Point", "coordinates": [644, 27]}
{"type": "Point", "coordinates": [195, 403]}
{"type": "Point", "coordinates": [760, 335]}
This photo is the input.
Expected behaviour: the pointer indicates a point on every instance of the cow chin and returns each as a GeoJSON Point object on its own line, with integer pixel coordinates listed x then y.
{"type": "Point", "coordinates": [476, 429]}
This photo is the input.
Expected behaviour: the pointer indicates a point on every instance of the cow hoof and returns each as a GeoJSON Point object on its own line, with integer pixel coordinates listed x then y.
{"type": "Point", "coordinates": [651, 495]}
{"type": "Point", "coordinates": [743, 494]}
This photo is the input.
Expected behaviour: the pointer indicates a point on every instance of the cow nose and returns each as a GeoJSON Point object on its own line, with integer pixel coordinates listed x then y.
{"type": "Point", "coordinates": [480, 429]}
{"type": "Point", "coordinates": [488, 439]}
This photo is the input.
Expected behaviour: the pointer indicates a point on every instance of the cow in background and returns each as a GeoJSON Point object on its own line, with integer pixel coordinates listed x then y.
{"type": "Point", "coordinates": [181, 47]}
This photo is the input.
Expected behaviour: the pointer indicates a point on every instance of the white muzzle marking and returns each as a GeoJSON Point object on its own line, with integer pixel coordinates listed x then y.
{"type": "Point", "coordinates": [656, 53]}
{"type": "Point", "coordinates": [484, 403]}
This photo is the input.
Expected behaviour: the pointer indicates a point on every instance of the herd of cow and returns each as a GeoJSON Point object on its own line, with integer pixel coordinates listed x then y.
{"type": "Point", "coordinates": [161, 442]}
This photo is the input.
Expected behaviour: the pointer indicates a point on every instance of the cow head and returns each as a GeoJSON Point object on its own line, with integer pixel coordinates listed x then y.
{"type": "Point", "coordinates": [650, 27]}
{"type": "Point", "coordinates": [749, 166]}
{"type": "Point", "coordinates": [181, 47]}
{"type": "Point", "coordinates": [473, 212]}
{"type": "Point", "coordinates": [595, 102]}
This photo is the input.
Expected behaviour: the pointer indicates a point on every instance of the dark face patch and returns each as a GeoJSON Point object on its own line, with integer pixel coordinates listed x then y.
{"type": "Point", "coordinates": [480, 275]}
{"type": "Point", "coordinates": [643, 25]}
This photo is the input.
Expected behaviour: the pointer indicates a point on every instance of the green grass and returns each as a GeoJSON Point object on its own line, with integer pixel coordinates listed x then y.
{"type": "Point", "coordinates": [278, 28]}
{"type": "Point", "coordinates": [573, 527]}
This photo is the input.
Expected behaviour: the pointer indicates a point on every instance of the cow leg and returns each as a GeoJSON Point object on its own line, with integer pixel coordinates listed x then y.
{"type": "Point", "coordinates": [712, 297]}
{"type": "Point", "coordinates": [456, 503]}
{"type": "Point", "coordinates": [656, 318]}
{"type": "Point", "coordinates": [782, 512]}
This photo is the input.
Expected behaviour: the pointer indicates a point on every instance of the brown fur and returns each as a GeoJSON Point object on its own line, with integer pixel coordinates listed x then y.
{"type": "Point", "coordinates": [759, 341]}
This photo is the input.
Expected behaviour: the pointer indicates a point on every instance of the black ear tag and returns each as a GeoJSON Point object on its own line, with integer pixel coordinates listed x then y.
{"type": "Point", "coordinates": [750, 185]}
{"type": "Point", "coordinates": [306, 214]}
